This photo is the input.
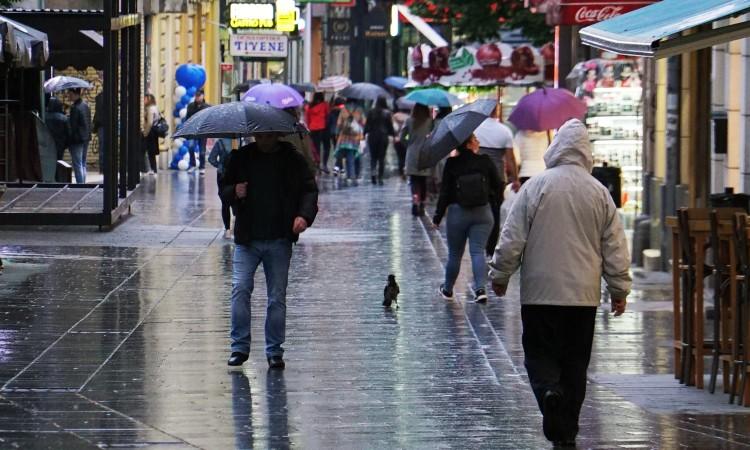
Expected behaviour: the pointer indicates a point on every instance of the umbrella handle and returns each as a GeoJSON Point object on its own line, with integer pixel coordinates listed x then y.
{"type": "Point", "coordinates": [549, 137]}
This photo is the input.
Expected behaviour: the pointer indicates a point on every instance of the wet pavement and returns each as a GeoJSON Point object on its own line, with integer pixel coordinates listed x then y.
{"type": "Point", "coordinates": [120, 339]}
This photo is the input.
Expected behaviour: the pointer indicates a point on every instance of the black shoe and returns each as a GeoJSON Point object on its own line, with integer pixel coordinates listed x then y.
{"type": "Point", "coordinates": [380, 181]}
{"type": "Point", "coordinates": [276, 362]}
{"type": "Point", "coordinates": [448, 295]}
{"type": "Point", "coordinates": [415, 210]}
{"type": "Point", "coordinates": [480, 296]}
{"type": "Point", "coordinates": [374, 180]}
{"type": "Point", "coordinates": [552, 423]}
{"type": "Point", "coordinates": [564, 444]}
{"type": "Point", "coordinates": [237, 359]}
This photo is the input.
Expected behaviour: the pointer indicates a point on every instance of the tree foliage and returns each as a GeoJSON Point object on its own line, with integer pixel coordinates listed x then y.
{"type": "Point", "coordinates": [482, 20]}
{"type": "Point", "coordinates": [7, 3]}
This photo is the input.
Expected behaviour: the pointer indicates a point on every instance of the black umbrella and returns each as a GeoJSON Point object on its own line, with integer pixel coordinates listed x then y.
{"type": "Point", "coordinates": [364, 91]}
{"type": "Point", "coordinates": [303, 87]}
{"type": "Point", "coordinates": [237, 119]}
{"type": "Point", "coordinates": [454, 130]}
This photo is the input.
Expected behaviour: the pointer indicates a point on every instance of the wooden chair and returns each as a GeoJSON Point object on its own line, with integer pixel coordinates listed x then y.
{"type": "Point", "coordinates": [740, 336]}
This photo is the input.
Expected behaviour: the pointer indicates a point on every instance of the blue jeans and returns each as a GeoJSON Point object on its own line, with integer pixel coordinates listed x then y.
{"type": "Point", "coordinates": [475, 225]}
{"type": "Point", "coordinates": [78, 154]}
{"type": "Point", "coordinates": [275, 256]}
{"type": "Point", "coordinates": [201, 154]}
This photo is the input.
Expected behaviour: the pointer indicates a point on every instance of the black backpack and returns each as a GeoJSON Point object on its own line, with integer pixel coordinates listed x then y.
{"type": "Point", "coordinates": [471, 190]}
{"type": "Point", "coordinates": [160, 127]}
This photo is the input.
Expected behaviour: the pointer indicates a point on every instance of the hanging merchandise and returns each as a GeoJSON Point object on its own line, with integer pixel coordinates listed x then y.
{"type": "Point", "coordinates": [613, 95]}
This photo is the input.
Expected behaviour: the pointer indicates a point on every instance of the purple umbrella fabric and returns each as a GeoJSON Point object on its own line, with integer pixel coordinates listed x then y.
{"type": "Point", "coordinates": [277, 95]}
{"type": "Point", "coordinates": [546, 109]}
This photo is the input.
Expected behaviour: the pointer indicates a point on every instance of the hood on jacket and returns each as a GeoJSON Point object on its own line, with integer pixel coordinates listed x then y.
{"type": "Point", "coordinates": [54, 105]}
{"type": "Point", "coordinates": [571, 146]}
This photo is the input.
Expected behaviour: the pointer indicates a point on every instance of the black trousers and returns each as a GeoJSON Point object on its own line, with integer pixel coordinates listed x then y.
{"type": "Point", "coordinates": [322, 142]}
{"type": "Point", "coordinates": [495, 232]}
{"type": "Point", "coordinates": [557, 347]}
{"type": "Point", "coordinates": [378, 144]}
{"type": "Point", "coordinates": [401, 154]}
{"type": "Point", "coordinates": [226, 216]}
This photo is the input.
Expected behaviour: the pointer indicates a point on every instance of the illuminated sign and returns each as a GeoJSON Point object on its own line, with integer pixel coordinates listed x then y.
{"type": "Point", "coordinates": [251, 15]}
{"type": "Point", "coordinates": [286, 16]}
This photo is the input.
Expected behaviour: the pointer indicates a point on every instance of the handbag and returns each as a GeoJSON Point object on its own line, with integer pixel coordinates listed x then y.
{"type": "Point", "coordinates": [160, 127]}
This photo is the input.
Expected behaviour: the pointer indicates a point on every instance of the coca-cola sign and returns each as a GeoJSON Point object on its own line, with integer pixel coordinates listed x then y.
{"type": "Point", "coordinates": [587, 12]}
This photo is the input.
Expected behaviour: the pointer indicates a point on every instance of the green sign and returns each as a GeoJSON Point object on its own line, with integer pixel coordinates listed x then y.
{"type": "Point", "coordinates": [461, 60]}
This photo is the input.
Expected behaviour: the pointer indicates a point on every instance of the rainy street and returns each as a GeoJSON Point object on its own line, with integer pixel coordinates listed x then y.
{"type": "Point", "coordinates": [120, 339]}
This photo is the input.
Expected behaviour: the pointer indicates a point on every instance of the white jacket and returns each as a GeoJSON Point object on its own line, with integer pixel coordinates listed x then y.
{"type": "Point", "coordinates": [564, 231]}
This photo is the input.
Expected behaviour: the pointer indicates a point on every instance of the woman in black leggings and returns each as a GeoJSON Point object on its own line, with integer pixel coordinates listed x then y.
{"type": "Point", "coordinates": [219, 158]}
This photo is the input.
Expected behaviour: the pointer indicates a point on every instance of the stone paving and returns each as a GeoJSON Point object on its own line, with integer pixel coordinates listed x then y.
{"type": "Point", "coordinates": [120, 339]}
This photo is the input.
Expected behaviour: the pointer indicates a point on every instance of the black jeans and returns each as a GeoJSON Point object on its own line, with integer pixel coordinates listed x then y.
{"type": "Point", "coordinates": [151, 149]}
{"type": "Point", "coordinates": [378, 144]}
{"type": "Point", "coordinates": [401, 154]}
{"type": "Point", "coordinates": [495, 232]}
{"type": "Point", "coordinates": [225, 211]}
{"type": "Point", "coordinates": [322, 142]}
{"type": "Point", "coordinates": [557, 347]}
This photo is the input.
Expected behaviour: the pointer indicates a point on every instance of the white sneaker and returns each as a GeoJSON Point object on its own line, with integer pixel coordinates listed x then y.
{"type": "Point", "coordinates": [228, 234]}
{"type": "Point", "coordinates": [202, 171]}
{"type": "Point", "coordinates": [191, 169]}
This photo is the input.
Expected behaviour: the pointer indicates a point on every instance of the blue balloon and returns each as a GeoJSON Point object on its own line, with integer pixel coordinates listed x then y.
{"type": "Point", "coordinates": [183, 149]}
{"type": "Point", "coordinates": [192, 90]}
{"type": "Point", "coordinates": [185, 99]}
{"type": "Point", "coordinates": [191, 75]}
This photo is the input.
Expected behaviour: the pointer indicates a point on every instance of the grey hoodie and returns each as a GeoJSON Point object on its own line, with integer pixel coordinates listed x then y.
{"type": "Point", "coordinates": [564, 231]}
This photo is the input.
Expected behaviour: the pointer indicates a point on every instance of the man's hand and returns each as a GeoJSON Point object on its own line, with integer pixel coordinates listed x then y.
{"type": "Point", "coordinates": [618, 306]}
{"type": "Point", "coordinates": [240, 190]}
{"type": "Point", "coordinates": [515, 186]}
{"type": "Point", "coordinates": [300, 225]}
{"type": "Point", "coordinates": [500, 289]}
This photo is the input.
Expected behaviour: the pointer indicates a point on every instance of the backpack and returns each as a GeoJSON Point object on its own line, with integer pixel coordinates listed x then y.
{"type": "Point", "coordinates": [160, 127]}
{"type": "Point", "coordinates": [471, 190]}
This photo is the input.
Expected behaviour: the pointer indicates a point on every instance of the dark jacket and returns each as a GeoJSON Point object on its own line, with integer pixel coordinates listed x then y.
{"type": "Point", "coordinates": [380, 122]}
{"type": "Point", "coordinates": [463, 164]}
{"type": "Point", "coordinates": [80, 122]}
{"type": "Point", "coordinates": [98, 111]}
{"type": "Point", "coordinates": [194, 108]}
{"type": "Point", "coordinates": [300, 192]}
{"type": "Point", "coordinates": [58, 125]}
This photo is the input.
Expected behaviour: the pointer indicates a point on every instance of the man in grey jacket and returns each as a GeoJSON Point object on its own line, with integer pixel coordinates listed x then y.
{"type": "Point", "coordinates": [564, 232]}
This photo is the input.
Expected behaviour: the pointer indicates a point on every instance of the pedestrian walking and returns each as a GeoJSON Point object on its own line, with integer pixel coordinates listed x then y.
{"type": "Point", "coordinates": [58, 125]}
{"type": "Point", "coordinates": [337, 104]}
{"type": "Point", "coordinates": [275, 197]}
{"type": "Point", "coordinates": [564, 232]}
{"type": "Point", "coordinates": [399, 118]}
{"type": "Point", "coordinates": [80, 133]}
{"type": "Point", "coordinates": [150, 139]}
{"type": "Point", "coordinates": [417, 127]}
{"type": "Point", "coordinates": [378, 129]}
{"type": "Point", "coordinates": [316, 116]}
{"type": "Point", "coordinates": [470, 182]}
{"type": "Point", "coordinates": [496, 141]}
{"type": "Point", "coordinates": [350, 129]}
{"type": "Point", "coordinates": [198, 104]}
{"type": "Point", "coordinates": [219, 157]}
{"type": "Point", "coordinates": [531, 147]}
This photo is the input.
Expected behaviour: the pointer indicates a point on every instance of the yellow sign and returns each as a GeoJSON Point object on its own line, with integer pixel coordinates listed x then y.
{"type": "Point", "coordinates": [251, 15]}
{"type": "Point", "coordinates": [286, 16]}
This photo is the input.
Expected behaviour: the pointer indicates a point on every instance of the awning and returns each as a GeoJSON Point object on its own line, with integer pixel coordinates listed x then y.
{"type": "Point", "coordinates": [26, 46]}
{"type": "Point", "coordinates": [422, 26]}
{"type": "Point", "coordinates": [657, 30]}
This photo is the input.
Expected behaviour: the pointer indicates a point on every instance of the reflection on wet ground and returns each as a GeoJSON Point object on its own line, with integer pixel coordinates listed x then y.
{"type": "Point", "coordinates": [119, 339]}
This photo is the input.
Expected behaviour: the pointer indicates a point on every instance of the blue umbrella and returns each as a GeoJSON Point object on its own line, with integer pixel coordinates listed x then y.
{"type": "Point", "coordinates": [454, 129]}
{"type": "Point", "coordinates": [396, 82]}
{"type": "Point", "coordinates": [434, 97]}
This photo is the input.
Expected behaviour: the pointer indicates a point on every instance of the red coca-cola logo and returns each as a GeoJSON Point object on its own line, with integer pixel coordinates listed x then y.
{"type": "Point", "coordinates": [586, 14]}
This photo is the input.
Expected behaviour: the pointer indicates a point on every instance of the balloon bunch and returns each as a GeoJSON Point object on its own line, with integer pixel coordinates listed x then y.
{"type": "Point", "coordinates": [190, 78]}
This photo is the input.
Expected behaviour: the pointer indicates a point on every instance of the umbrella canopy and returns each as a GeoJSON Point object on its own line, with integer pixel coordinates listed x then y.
{"type": "Point", "coordinates": [27, 46]}
{"type": "Point", "coordinates": [493, 134]}
{"type": "Point", "coordinates": [403, 103]}
{"type": "Point", "coordinates": [434, 97]}
{"type": "Point", "coordinates": [546, 109]}
{"type": "Point", "coordinates": [61, 83]}
{"type": "Point", "coordinates": [365, 91]}
{"type": "Point", "coordinates": [396, 82]}
{"type": "Point", "coordinates": [334, 83]}
{"type": "Point", "coordinates": [277, 95]}
{"type": "Point", "coordinates": [455, 129]}
{"type": "Point", "coordinates": [303, 87]}
{"type": "Point", "coordinates": [237, 119]}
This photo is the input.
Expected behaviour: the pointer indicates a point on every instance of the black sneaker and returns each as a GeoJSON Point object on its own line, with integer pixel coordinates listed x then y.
{"type": "Point", "coordinates": [276, 362]}
{"type": "Point", "coordinates": [480, 296]}
{"type": "Point", "coordinates": [564, 444]}
{"type": "Point", "coordinates": [374, 180]}
{"type": "Point", "coordinates": [552, 423]}
{"type": "Point", "coordinates": [415, 210]}
{"type": "Point", "coordinates": [445, 294]}
{"type": "Point", "coordinates": [237, 359]}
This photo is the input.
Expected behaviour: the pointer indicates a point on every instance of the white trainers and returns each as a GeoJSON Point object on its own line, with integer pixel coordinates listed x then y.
{"type": "Point", "coordinates": [228, 234]}
{"type": "Point", "coordinates": [202, 171]}
{"type": "Point", "coordinates": [191, 169]}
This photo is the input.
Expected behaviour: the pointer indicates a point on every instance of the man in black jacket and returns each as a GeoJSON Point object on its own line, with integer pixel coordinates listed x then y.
{"type": "Point", "coordinates": [198, 104]}
{"type": "Point", "coordinates": [80, 133]}
{"type": "Point", "coordinates": [58, 125]}
{"type": "Point", "coordinates": [275, 197]}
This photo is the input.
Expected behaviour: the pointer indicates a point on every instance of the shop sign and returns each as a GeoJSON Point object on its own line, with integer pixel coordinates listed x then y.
{"type": "Point", "coordinates": [251, 15]}
{"type": "Point", "coordinates": [376, 24]}
{"type": "Point", "coordinates": [258, 45]}
{"type": "Point", "coordinates": [286, 16]}
{"type": "Point", "coordinates": [587, 12]}
{"type": "Point", "coordinates": [340, 31]}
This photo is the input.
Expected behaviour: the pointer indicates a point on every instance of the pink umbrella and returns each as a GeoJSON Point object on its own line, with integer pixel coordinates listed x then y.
{"type": "Point", "coordinates": [277, 95]}
{"type": "Point", "coordinates": [546, 109]}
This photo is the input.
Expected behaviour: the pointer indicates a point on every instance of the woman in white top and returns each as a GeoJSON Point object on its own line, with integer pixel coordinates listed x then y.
{"type": "Point", "coordinates": [531, 146]}
{"type": "Point", "coordinates": [150, 139]}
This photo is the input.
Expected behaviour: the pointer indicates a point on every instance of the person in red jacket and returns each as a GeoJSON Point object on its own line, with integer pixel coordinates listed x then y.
{"type": "Point", "coordinates": [315, 117]}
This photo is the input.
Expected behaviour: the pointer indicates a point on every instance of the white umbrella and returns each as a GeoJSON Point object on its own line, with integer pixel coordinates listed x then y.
{"type": "Point", "coordinates": [61, 83]}
{"type": "Point", "coordinates": [334, 83]}
{"type": "Point", "coordinates": [493, 134]}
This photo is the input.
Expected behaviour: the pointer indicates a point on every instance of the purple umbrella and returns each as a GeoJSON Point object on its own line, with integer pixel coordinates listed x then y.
{"type": "Point", "coordinates": [546, 109]}
{"type": "Point", "coordinates": [277, 95]}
